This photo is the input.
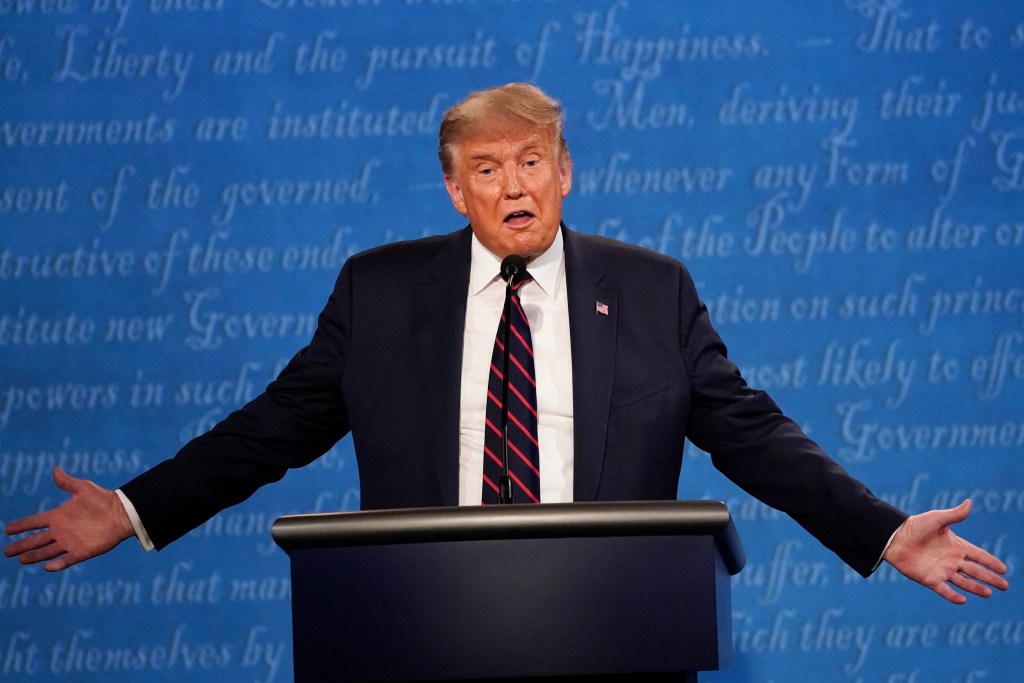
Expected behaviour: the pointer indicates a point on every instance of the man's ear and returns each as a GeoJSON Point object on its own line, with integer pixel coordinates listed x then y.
{"type": "Point", "coordinates": [565, 172]}
{"type": "Point", "coordinates": [455, 192]}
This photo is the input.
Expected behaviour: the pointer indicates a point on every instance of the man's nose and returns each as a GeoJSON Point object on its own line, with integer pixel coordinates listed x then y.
{"type": "Point", "coordinates": [512, 186]}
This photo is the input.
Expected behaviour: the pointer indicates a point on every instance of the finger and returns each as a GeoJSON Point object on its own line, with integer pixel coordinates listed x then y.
{"type": "Point", "coordinates": [40, 520]}
{"type": "Point", "coordinates": [61, 563]}
{"type": "Point", "coordinates": [949, 594]}
{"type": "Point", "coordinates": [64, 481]}
{"type": "Point", "coordinates": [979, 572]}
{"type": "Point", "coordinates": [46, 552]}
{"type": "Point", "coordinates": [28, 544]}
{"type": "Point", "coordinates": [970, 585]}
{"type": "Point", "coordinates": [955, 515]}
{"type": "Point", "coordinates": [984, 558]}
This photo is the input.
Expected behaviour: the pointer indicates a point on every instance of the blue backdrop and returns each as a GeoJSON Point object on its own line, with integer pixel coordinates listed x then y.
{"type": "Point", "coordinates": [182, 179]}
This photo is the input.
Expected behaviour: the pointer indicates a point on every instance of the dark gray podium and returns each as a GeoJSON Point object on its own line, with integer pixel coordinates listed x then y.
{"type": "Point", "coordinates": [518, 591]}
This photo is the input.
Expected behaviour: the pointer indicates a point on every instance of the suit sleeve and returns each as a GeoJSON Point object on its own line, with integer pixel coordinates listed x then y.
{"type": "Point", "coordinates": [769, 456]}
{"type": "Point", "coordinates": [299, 417]}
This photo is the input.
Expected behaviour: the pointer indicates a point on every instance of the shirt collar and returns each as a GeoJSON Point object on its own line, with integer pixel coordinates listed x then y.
{"type": "Point", "coordinates": [547, 269]}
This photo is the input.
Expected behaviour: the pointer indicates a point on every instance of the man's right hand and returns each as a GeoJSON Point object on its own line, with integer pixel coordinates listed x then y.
{"type": "Point", "coordinates": [92, 522]}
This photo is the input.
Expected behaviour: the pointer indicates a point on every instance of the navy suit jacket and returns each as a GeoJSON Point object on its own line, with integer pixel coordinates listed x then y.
{"type": "Point", "coordinates": [385, 365]}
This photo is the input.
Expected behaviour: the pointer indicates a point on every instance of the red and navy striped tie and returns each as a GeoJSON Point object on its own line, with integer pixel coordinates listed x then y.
{"type": "Point", "coordinates": [523, 451]}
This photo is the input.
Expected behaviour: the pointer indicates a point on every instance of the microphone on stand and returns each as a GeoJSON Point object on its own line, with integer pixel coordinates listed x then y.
{"type": "Point", "coordinates": [512, 269]}
{"type": "Point", "coordinates": [512, 265]}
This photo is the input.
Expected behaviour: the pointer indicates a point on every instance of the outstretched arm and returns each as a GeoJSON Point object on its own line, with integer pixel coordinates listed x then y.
{"type": "Point", "coordinates": [92, 522]}
{"type": "Point", "coordinates": [926, 550]}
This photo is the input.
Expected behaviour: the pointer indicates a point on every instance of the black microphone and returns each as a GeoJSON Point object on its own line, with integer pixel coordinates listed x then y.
{"type": "Point", "coordinates": [513, 267]}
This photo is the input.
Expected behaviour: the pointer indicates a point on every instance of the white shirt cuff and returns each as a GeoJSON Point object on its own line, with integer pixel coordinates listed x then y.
{"type": "Point", "coordinates": [882, 556]}
{"type": "Point", "coordinates": [140, 530]}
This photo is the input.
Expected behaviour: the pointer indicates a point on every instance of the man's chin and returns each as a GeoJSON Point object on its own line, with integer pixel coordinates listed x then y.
{"type": "Point", "coordinates": [527, 248]}
{"type": "Point", "coordinates": [527, 243]}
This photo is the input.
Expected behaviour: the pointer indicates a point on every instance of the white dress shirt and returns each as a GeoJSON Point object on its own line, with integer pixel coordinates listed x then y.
{"type": "Point", "coordinates": [547, 309]}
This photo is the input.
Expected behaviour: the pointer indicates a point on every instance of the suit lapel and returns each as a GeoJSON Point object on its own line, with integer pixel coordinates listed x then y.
{"type": "Point", "coordinates": [440, 326]}
{"type": "Point", "coordinates": [593, 338]}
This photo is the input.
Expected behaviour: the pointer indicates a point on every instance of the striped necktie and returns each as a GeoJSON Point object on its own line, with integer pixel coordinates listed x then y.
{"type": "Point", "coordinates": [523, 452]}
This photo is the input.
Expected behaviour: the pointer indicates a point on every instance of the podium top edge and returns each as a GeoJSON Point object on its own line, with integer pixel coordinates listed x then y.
{"type": "Point", "coordinates": [549, 520]}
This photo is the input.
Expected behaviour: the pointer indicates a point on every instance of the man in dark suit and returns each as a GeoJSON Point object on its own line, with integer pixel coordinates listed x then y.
{"type": "Point", "coordinates": [627, 367]}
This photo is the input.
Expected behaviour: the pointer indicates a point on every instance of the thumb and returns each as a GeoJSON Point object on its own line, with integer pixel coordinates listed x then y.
{"type": "Point", "coordinates": [65, 482]}
{"type": "Point", "coordinates": [957, 514]}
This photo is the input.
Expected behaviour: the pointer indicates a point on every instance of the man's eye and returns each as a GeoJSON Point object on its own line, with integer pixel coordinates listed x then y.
{"type": "Point", "coordinates": [532, 162]}
{"type": "Point", "coordinates": [486, 171]}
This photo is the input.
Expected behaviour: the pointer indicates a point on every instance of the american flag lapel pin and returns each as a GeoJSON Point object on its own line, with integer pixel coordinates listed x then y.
{"type": "Point", "coordinates": [600, 308]}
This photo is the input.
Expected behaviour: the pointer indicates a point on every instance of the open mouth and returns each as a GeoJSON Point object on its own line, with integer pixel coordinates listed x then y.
{"type": "Point", "coordinates": [518, 218]}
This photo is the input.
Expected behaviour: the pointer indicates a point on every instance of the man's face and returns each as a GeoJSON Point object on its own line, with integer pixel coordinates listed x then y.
{"type": "Point", "coordinates": [510, 184]}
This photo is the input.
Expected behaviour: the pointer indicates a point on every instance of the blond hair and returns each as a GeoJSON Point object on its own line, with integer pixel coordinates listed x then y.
{"type": "Point", "coordinates": [515, 103]}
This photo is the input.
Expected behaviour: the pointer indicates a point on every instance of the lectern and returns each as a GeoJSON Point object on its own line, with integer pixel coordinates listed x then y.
{"type": "Point", "coordinates": [512, 592]}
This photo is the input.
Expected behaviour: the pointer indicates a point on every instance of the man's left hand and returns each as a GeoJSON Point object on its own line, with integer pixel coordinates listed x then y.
{"type": "Point", "coordinates": [926, 550]}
